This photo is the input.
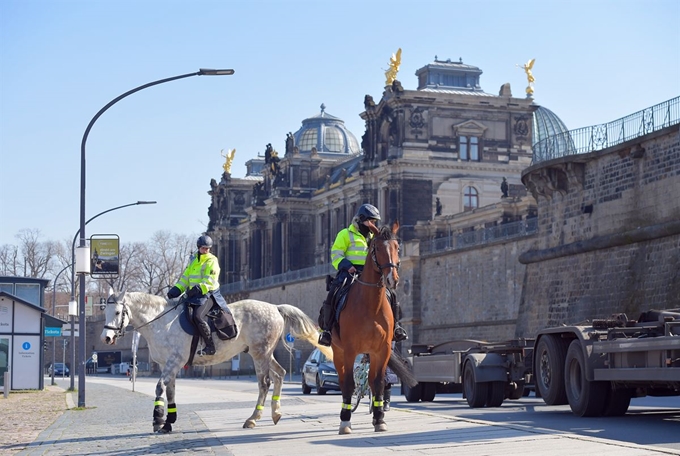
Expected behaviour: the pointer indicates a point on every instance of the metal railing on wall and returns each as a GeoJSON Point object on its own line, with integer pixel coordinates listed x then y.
{"type": "Point", "coordinates": [598, 137]}
{"type": "Point", "coordinates": [478, 237]}
{"type": "Point", "coordinates": [456, 241]}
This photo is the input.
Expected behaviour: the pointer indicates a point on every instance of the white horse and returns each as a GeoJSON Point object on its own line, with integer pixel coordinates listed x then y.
{"type": "Point", "coordinates": [260, 326]}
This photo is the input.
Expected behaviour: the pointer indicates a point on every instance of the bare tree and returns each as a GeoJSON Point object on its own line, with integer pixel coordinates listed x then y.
{"type": "Point", "coordinates": [31, 258]}
{"type": "Point", "coordinates": [9, 260]}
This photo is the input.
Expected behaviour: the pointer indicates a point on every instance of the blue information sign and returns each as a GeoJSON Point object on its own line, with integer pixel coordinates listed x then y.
{"type": "Point", "coordinates": [289, 338]}
{"type": "Point", "coordinates": [52, 332]}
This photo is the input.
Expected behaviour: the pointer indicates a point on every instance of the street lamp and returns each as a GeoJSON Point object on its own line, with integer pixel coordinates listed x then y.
{"type": "Point", "coordinates": [72, 302]}
{"type": "Point", "coordinates": [81, 319]}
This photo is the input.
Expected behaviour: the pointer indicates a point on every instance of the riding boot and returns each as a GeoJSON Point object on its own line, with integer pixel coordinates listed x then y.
{"type": "Point", "coordinates": [399, 331]}
{"type": "Point", "coordinates": [386, 400]}
{"type": "Point", "coordinates": [326, 321]}
{"type": "Point", "coordinates": [326, 318]}
{"type": "Point", "coordinates": [209, 348]}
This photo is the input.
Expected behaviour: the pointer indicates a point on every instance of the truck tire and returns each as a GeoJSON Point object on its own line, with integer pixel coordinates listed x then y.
{"type": "Point", "coordinates": [412, 393]}
{"type": "Point", "coordinates": [475, 393]}
{"type": "Point", "coordinates": [618, 401]}
{"type": "Point", "coordinates": [429, 392]}
{"type": "Point", "coordinates": [549, 359]}
{"type": "Point", "coordinates": [586, 398]}
{"type": "Point", "coordinates": [496, 394]}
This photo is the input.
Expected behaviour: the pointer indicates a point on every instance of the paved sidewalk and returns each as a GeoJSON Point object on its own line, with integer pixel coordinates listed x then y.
{"type": "Point", "coordinates": [118, 421]}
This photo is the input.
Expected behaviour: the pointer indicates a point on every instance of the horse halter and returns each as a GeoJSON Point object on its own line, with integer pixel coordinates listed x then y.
{"type": "Point", "coordinates": [120, 330]}
{"type": "Point", "coordinates": [374, 258]}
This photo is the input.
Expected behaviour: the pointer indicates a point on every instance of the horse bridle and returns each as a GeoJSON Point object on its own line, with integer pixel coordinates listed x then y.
{"type": "Point", "coordinates": [120, 331]}
{"type": "Point", "coordinates": [374, 258]}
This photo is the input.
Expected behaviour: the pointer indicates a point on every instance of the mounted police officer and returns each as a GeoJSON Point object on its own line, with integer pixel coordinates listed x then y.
{"type": "Point", "coordinates": [199, 283]}
{"type": "Point", "coordinates": [348, 256]}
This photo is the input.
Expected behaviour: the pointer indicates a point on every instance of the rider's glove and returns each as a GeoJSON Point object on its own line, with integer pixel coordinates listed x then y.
{"type": "Point", "coordinates": [174, 293]}
{"type": "Point", "coordinates": [194, 292]}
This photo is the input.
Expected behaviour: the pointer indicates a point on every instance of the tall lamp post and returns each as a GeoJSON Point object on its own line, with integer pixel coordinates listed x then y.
{"type": "Point", "coordinates": [82, 290]}
{"type": "Point", "coordinates": [84, 270]}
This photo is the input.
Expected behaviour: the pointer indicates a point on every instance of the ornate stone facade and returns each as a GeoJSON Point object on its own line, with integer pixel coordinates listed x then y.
{"type": "Point", "coordinates": [427, 154]}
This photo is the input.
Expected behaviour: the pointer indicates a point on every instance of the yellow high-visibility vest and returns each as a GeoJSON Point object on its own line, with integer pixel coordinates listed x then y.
{"type": "Point", "coordinates": [204, 270]}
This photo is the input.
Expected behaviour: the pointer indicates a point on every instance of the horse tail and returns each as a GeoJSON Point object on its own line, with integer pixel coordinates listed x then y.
{"type": "Point", "coordinates": [400, 367]}
{"type": "Point", "coordinates": [303, 327]}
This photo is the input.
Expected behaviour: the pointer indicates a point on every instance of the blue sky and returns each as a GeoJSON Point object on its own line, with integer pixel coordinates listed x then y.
{"type": "Point", "coordinates": [62, 61]}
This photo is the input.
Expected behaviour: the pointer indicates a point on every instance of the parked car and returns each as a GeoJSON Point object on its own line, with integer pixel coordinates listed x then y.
{"type": "Point", "coordinates": [59, 369]}
{"type": "Point", "coordinates": [319, 373]}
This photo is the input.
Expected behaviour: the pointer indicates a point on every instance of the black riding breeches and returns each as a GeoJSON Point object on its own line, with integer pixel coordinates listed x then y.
{"type": "Point", "coordinates": [202, 310]}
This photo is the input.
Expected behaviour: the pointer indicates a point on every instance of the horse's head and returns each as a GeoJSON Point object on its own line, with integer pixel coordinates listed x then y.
{"type": "Point", "coordinates": [384, 252]}
{"type": "Point", "coordinates": [117, 318]}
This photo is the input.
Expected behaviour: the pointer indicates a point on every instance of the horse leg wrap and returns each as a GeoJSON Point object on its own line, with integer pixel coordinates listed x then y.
{"type": "Point", "coordinates": [346, 412]}
{"type": "Point", "coordinates": [158, 411]}
{"type": "Point", "coordinates": [172, 413]}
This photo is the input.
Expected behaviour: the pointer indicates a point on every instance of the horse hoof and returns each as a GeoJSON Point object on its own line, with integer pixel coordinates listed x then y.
{"type": "Point", "coordinates": [382, 427]}
{"type": "Point", "coordinates": [345, 428]}
{"type": "Point", "coordinates": [156, 428]}
{"type": "Point", "coordinates": [248, 424]}
{"type": "Point", "coordinates": [276, 418]}
{"type": "Point", "coordinates": [167, 428]}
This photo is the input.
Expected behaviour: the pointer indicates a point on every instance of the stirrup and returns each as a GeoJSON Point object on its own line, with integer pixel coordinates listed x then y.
{"type": "Point", "coordinates": [399, 334]}
{"type": "Point", "coordinates": [208, 351]}
{"type": "Point", "coordinates": [325, 338]}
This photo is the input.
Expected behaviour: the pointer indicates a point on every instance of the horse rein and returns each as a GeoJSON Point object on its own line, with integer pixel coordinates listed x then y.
{"type": "Point", "coordinates": [120, 331]}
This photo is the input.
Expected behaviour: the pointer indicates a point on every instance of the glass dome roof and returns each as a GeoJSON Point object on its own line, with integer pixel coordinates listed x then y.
{"type": "Point", "coordinates": [327, 134]}
{"type": "Point", "coordinates": [551, 136]}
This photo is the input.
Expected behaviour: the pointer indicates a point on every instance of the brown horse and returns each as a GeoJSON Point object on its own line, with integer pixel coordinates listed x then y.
{"type": "Point", "coordinates": [366, 325]}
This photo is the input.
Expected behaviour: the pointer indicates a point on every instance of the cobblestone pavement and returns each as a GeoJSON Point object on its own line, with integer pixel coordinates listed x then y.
{"type": "Point", "coordinates": [112, 423]}
{"type": "Point", "coordinates": [118, 421]}
{"type": "Point", "coordinates": [26, 414]}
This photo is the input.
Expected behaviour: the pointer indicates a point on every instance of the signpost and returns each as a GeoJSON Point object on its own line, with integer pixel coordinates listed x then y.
{"type": "Point", "coordinates": [291, 341]}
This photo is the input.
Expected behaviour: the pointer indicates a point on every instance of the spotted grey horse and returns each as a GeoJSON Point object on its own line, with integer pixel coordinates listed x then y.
{"type": "Point", "coordinates": [261, 325]}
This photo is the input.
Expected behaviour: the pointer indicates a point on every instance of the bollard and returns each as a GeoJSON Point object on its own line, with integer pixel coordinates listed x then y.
{"type": "Point", "coordinates": [6, 380]}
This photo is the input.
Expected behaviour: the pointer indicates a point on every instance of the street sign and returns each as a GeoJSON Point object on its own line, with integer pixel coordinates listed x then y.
{"type": "Point", "coordinates": [52, 332]}
{"type": "Point", "coordinates": [289, 338]}
{"type": "Point", "coordinates": [94, 356]}
{"type": "Point", "coordinates": [66, 331]}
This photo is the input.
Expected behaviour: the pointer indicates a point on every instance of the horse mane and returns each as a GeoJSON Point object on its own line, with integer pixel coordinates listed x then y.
{"type": "Point", "coordinates": [386, 233]}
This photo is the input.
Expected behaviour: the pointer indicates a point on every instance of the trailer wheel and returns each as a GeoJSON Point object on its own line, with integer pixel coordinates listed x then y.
{"type": "Point", "coordinates": [429, 392]}
{"type": "Point", "coordinates": [586, 398]}
{"type": "Point", "coordinates": [550, 354]}
{"type": "Point", "coordinates": [618, 401]}
{"type": "Point", "coordinates": [475, 393]}
{"type": "Point", "coordinates": [412, 393]}
{"type": "Point", "coordinates": [496, 394]}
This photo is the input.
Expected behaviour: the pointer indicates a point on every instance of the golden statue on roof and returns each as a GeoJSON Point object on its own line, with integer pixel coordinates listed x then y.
{"type": "Point", "coordinates": [391, 73]}
{"type": "Point", "coordinates": [530, 77]}
{"type": "Point", "coordinates": [229, 159]}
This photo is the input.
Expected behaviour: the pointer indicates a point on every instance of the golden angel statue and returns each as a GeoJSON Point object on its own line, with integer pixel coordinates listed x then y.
{"type": "Point", "coordinates": [530, 77]}
{"type": "Point", "coordinates": [391, 73]}
{"type": "Point", "coordinates": [229, 159]}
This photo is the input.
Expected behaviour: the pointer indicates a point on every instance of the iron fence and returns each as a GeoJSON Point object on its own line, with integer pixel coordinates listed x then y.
{"type": "Point", "coordinates": [598, 137]}
{"type": "Point", "coordinates": [473, 238]}
{"type": "Point", "coordinates": [457, 241]}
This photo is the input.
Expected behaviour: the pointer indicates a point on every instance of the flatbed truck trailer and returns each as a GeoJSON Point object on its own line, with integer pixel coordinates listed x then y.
{"type": "Point", "coordinates": [487, 373]}
{"type": "Point", "coordinates": [597, 367]}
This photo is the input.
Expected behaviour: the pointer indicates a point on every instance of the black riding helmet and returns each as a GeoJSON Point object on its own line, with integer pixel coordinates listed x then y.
{"type": "Point", "coordinates": [204, 241]}
{"type": "Point", "coordinates": [368, 212]}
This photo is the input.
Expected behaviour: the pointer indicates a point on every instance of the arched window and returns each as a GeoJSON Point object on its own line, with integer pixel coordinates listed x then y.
{"type": "Point", "coordinates": [470, 199]}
